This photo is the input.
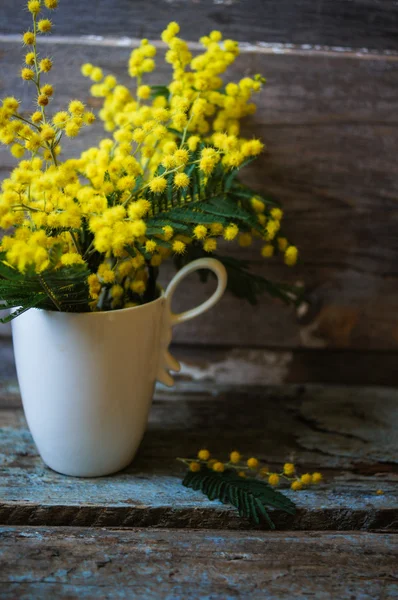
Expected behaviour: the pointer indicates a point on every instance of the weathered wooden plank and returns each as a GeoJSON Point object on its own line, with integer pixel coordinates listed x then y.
{"type": "Point", "coordinates": [360, 23]}
{"type": "Point", "coordinates": [251, 366]}
{"type": "Point", "coordinates": [86, 563]}
{"type": "Point", "coordinates": [348, 309]}
{"type": "Point", "coordinates": [277, 424]}
{"type": "Point", "coordinates": [268, 366]}
{"type": "Point", "coordinates": [331, 160]}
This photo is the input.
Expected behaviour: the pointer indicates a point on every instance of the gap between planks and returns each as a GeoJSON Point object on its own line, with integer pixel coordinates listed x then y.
{"type": "Point", "coordinates": [245, 47]}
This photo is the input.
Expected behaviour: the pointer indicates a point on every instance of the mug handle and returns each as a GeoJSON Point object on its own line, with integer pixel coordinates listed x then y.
{"type": "Point", "coordinates": [167, 361]}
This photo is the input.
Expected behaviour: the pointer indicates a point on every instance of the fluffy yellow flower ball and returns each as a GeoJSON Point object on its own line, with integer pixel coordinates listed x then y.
{"type": "Point", "coordinates": [219, 467]}
{"type": "Point", "coordinates": [76, 107]}
{"type": "Point", "coordinates": [87, 69]}
{"type": "Point", "coordinates": [158, 185]}
{"type": "Point", "coordinates": [200, 232]}
{"type": "Point", "coordinates": [181, 180]}
{"type": "Point", "coordinates": [17, 150]}
{"type": "Point", "coordinates": [306, 479]}
{"type": "Point", "coordinates": [231, 232]}
{"type": "Point", "coordinates": [179, 247]}
{"type": "Point", "coordinates": [29, 38]}
{"type": "Point", "coordinates": [27, 74]}
{"type": "Point", "coordinates": [34, 6]}
{"type": "Point", "coordinates": [71, 258]}
{"type": "Point", "coordinates": [288, 469]}
{"type": "Point", "coordinates": [44, 25]}
{"type": "Point", "coordinates": [194, 467]}
{"type": "Point", "coordinates": [168, 232]}
{"type": "Point", "coordinates": [203, 454]}
{"type": "Point", "coordinates": [210, 245]}
{"type": "Point", "coordinates": [170, 32]}
{"type": "Point", "coordinates": [47, 90]}
{"type": "Point", "coordinates": [138, 287]}
{"type": "Point", "coordinates": [42, 100]}
{"type": "Point", "coordinates": [47, 133]}
{"type": "Point", "coordinates": [11, 104]}
{"type": "Point", "coordinates": [282, 243]}
{"type": "Point", "coordinates": [235, 457]}
{"type": "Point", "coordinates": [150, 246]}
{"type": "Point", "coordinates": [252, 463]}
{"type": "Point", "coordinates": [138, 228]}
{"type": "Point", "coordinates": [72, 129]}
{"type": "Point", "coordinates": [181, 156]}
{"type": "Point", "coordinates": [143, 92]}
{"type": "Point", "coordinates": [46, 65]}
{"type": "Point", "coordinates": [36, 117]}
{"type": "Point", "coordinates": [296, 485]}
{"type": "Point", "coordinates": [291, 255]}
{"type": "Point", "coordinates": [60, 119]}
{"type": "Point", "coordinates": [273, 479]}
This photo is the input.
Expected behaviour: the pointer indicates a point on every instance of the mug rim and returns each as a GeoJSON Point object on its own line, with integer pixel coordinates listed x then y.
{"type": "Point", "coordinates": [101, 313]}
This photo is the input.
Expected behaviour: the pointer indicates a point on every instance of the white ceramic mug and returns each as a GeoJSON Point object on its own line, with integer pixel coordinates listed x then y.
{"type": "Point", "coordinates": [87, 379]}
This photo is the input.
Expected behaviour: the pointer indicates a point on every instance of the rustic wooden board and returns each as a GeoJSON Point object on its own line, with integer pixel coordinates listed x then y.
{"type": "Point", "coordinates": [329, 123]}
{"type": "Point", "coordinates": [135, 563]}
{"type": "Point", "coordinates": [256, 366]}
{"type": "Point", "coordinates": [358, 24]}
{"type": "Point", "coordinates": [268, 366]}
{"type": "Point", "coordinates": [328, 429]}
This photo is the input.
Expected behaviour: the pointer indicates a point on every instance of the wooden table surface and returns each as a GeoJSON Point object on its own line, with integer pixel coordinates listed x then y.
{"type": "Point", "coordinates": [141, 534]}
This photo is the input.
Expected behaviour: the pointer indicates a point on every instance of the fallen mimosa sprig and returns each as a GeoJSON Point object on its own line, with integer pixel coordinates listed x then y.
{"type": "Point", "coordinates": [246, 484]}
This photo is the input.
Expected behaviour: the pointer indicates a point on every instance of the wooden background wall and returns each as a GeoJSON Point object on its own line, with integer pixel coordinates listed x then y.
{"type": "Point", "coordinates": [329, 118]}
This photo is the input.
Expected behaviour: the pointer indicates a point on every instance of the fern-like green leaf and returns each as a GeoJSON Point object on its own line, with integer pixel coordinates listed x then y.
{"type": "Point", "coordinates": [192, 214]}
{"type": "Point", "coordinates": [241, 282]}
{"type": "Point", "coordinates": [250, 496]}
{"type": "Point", "coordinates": [227, 209]}
{"type": "Point", "coordinates": [63, 289]}
{"type": "Point", "coordinates": [33, 303]}
{"type": "Point", "coordinates": [238, 191]}
{"type": "Point", "coordinates": [245, 284]}
{"type": "Point", "coordinates": [159, 90]}
{"type": "Point", "coordinates": [233, 173]}
{"type": "Point", "coordinates": [161, 221]}
{"type": "Point", "coordinates": [221, 209]}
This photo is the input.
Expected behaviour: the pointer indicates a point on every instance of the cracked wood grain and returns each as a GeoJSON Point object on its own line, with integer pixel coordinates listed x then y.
{"type": "Point", "coordinates": [137, 563]}
{"type": "Point", "coordinates": [367, 428]}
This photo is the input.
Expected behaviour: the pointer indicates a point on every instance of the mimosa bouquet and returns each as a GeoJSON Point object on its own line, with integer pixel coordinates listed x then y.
{"type": "Point", "coordinates": [91, 233]}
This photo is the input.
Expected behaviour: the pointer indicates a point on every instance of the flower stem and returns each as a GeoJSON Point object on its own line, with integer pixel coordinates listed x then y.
{"type": "Point", "coordinates": [49, 292]}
